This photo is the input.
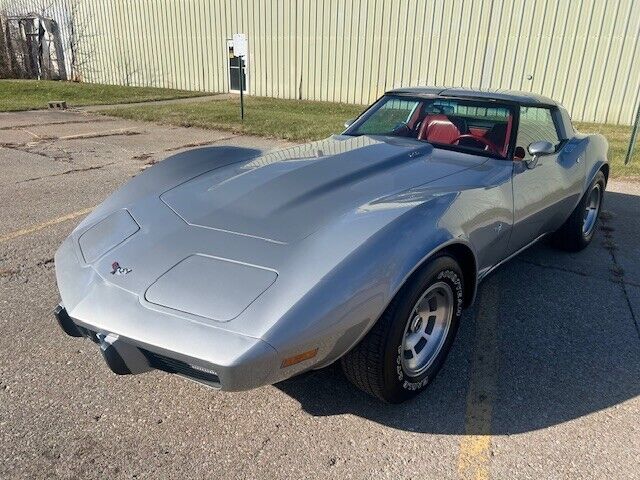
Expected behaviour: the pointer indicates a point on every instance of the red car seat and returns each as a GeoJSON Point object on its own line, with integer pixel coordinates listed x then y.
{"type": "Point", "coordinates": [438, 129]}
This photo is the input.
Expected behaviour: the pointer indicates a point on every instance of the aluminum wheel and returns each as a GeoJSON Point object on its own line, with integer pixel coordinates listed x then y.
{"type": "Point", "coordinates": [591, 210]}
{"type": "Point", "coordinates": [427, 328]}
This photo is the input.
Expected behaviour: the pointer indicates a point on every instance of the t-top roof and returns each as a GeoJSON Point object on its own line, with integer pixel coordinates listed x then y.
{"type": "Point", "coordinates": [505, 95]}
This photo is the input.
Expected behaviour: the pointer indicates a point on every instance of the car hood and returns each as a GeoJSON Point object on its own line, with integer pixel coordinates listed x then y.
{"type": "Point", "coordinates": [208, 232]}
{"type": "Point", "coordinates": [285, 196]}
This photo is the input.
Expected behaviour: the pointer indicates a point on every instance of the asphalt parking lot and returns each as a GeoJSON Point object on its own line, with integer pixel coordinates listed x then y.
{"type": "Point", "coordinates": [543, 380]}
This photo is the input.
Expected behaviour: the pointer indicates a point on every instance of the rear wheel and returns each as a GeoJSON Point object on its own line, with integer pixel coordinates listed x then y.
{"type": "Point", "coordinates": [578, 230]}
{"type": "Point", "coordinates": [405, 349]}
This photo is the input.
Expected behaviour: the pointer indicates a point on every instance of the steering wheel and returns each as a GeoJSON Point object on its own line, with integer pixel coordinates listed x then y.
{"type": "Point", "coordinates": [489, 146]}
{"type": "Point", "coordinates": [402, 129]}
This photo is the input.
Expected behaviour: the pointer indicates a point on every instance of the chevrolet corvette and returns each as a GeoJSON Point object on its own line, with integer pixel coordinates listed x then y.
{"type": "Point", "coordinates": [239, 268]}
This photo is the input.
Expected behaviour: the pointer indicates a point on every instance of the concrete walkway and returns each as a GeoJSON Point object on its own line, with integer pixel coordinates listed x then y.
{"type": "Point", "coordinates": [204, 98]}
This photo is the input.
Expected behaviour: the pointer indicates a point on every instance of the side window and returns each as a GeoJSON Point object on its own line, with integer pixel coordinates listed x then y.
{"type": "Point", "coordinates": [536, 124]}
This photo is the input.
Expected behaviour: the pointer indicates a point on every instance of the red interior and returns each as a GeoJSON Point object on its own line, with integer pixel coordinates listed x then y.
{"type": "Point", "coordinates": [445, 129]}
{"type": "Point", "coordinates": [438, 129]}
{"type": "Point", "coordinates": [478, 131]}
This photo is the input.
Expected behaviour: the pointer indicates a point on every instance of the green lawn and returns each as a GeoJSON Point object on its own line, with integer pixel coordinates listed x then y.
{"type": "Point", "coordinates": [293, 120]}
{"type": "Point", "coordinates": [618, 136]}
{"type": "Point", "coordinates": [34, 94]}
{"type": "Point", "coordinates": [298, 120]}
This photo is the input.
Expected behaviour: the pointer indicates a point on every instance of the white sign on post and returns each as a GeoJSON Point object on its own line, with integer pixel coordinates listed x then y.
{"type": "Point", "coordinates": [240, 45]}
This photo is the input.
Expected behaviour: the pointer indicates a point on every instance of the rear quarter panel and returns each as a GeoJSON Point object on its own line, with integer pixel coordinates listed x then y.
{"type": "Point", "coordinates": [595, 155]}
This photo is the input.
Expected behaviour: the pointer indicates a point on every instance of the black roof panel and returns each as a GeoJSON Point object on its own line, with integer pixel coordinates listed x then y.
{"type": "Point", "coordinates": [505, 95]}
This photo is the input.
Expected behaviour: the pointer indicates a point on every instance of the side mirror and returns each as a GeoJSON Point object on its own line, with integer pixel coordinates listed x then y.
{"type": "Point", "coordinates": [349, 122]}
{"type": "Point", "coordinates": [537, 150]}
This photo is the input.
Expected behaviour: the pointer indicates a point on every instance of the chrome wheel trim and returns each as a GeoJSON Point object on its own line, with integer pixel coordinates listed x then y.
{"type": "Point", "coordinates": [591, 211]}
{"type": "Point", "coordinates": [426, 330]}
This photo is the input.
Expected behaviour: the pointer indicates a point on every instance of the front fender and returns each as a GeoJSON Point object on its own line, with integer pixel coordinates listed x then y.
{"type": "Point", "coordinates": [341, 308]}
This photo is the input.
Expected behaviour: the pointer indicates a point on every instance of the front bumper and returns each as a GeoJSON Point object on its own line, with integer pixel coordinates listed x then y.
{"type": "Point", "coordinates": [145, 336]}
{"type": "Point", "coordinates": [126, 356]}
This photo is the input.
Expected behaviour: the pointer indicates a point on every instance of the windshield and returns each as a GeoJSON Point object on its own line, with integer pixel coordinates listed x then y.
{"type": "Point", "coordinates": [466, 125]}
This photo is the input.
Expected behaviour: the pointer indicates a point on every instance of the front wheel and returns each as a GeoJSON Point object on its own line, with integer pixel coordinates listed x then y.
{"type": "Point", "coordinates": [578, 230]}
{"type": "Point", "coordinates": [406, 347]}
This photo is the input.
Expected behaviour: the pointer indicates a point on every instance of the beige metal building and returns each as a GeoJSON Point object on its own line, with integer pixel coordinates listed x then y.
{"type": "Point", "coordinates": [583, 53]}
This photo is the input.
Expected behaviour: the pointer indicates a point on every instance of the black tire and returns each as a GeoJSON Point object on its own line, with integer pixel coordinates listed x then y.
{"type": "Point", "coordinates": [375, 365]}
{"type": "Point", "coordinates": [571, 236]}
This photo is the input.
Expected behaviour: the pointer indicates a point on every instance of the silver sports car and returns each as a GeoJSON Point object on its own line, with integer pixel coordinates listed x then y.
{"type": "Point", "coordinates": [239, 269]}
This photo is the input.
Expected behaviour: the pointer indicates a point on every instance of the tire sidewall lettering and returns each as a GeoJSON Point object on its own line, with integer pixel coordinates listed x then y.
{"type": "Point", "coordinates": [406, 382]}
{"type": "Point", "coordinates": [457, 287]}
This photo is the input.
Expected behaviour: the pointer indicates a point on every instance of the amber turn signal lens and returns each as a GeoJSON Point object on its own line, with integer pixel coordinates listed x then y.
{"type": "Point", "coordinates": [301, 357]}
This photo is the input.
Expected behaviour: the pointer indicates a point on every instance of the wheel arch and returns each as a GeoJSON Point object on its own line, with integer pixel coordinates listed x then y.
{"type": "Point", "coordinates": [598, 166]}
{"type": "Point", "coordinates": [605, 170]}
{"type": "Point", "coordinates": [596, 158]}
{"type": "Point", "coordinates": [464, 255]}
{"type": "Point", "coordinates": [370, 347]}
{"type": "Point", "coordinates": [461, 251]}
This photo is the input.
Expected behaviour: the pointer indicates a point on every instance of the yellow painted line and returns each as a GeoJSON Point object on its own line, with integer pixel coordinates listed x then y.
{"type": "Point", "coordinates": [475, 447]}
{"type": "Point", "coordinates": [41, 226]}
{"type": "Point", "coordinates": [33, 134]}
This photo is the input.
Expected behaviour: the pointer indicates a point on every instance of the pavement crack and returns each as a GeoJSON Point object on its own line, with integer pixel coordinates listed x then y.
{"type": "Point", "coordinates": [147, 155]}
{"type": "Point", "coordinates": [26, 147]}
{"type": "Point", "coordinates": [553, 267]}
{"type": "Point", "coordinates": [617, 269]}
{"type": "Point", "coordinates": [45, 263]}
{"type": "Point", "coordinates": [46, 124]}
{"type": "Point", "coordinates": [66, 172]}
{"type": "Point", "coordinates": [12, 273]}
{"type": "Point", "coordinates": [617, 272]}
{"type": "Point", "coordinates": [625, 292]}
{"type": "Point", "coordinates": [29, 148]}
{"type": "Point", "coordinates": [199, 144]}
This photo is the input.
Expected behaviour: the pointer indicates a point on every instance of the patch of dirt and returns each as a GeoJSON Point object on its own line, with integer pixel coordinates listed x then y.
{"type": "Point", "coordinates": [47, 263]}
{"type": "Point", "coordinates": [8, 272]}
{"type": "Point", "coordinates": [142, 156]}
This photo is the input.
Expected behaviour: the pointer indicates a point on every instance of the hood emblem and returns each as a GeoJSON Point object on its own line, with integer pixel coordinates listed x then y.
{"type": "Point", "coordinates": [116, 269]}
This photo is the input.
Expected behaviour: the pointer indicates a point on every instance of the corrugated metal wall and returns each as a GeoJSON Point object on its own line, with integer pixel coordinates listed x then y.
{"type": "Point", "coordinates": [583, 53]}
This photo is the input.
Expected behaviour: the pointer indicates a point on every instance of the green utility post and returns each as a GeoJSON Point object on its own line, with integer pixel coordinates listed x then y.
{"type": "Point", "coordinates": [634, 137]}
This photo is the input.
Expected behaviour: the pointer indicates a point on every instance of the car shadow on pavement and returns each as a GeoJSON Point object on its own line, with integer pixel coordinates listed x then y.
{"type": "Point", "coordinates": [560, 329]}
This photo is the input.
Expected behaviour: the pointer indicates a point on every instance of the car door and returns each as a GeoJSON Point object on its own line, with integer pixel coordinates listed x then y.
{"type": "Point", "coordinates": [544, 194]}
